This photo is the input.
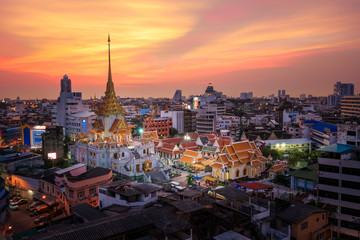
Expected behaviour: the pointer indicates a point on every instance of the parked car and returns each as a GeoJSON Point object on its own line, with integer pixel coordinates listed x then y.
{"type": "Point", "coordinates": [22, 202]}
{"type": "Point", "coordinates": [42, 208]}
{"type": "Point", "coordinates": [191, 171]}
{"type": "Point", "coordinates": [32, 206]}
{"type": "Point", "coordinates": [15, 199]}
{"type": "Point", "coordinates": [34, 213]}
{"type": "Point", "coordinates": [42, 218]}
{"type": "Point", "coordinates": [13, 206]}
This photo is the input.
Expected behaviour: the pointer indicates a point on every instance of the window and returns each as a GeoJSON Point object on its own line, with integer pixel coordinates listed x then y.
{"type": "Point", "coordinates": [350, 211]}
{"type": "Point", "coordinates": [349, 198]}
{"type": "Point", "coordinates": [328, 168]}
{"type": "Point", "coordinates": [115, 156]}
{"type": "Point", "coordinates": [71, 194]}
{"type": "Point", "coordinates": [351, 171]}
{"type": "Point", "coordinates": [323, 217]}
{"type": "Point", "coordinates": [122, 154]}
{"type": "Point", "coordinates": [304, 225]}
{"type": "Point", "coordinates": [350, 184]}
{"type": "Point", "coordinates": [328, 194]}
{"type": "Point", "coordinates": [351, 133]}
{"type": "Point", "coordinates": [81, 195]}
{"type": "Point", "coordinates": [329, 181]}
{"type": "Point", "coordinates": [92, 191]}
{"type": "Point", "coordinates": [320, 236]}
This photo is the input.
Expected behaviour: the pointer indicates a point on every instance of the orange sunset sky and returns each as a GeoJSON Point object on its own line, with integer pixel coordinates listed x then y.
{"type": "Point", "coordinates": [159, 46]}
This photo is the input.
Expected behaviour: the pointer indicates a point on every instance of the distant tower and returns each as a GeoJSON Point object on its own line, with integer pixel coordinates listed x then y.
{"type": "Point", "coordinates": [177, 96]}
{"type": "Point", "coordinates": [65, 84]}
{"type": "Point", "coordinates": [283, 93]}
{"type": "Point", "coordinates": [279, 93]}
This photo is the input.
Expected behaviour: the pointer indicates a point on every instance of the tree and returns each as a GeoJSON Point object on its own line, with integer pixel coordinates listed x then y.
{"type": "Point", "coordinates": [189, 179]}
{"type": "Point", "coordinates": [173, 132]}
{"type": "Point", "coordinates": [296, 156]}
{"type": "Point", "coordinates": [275, 154]}
{"type": "Point", "coordinates": [282, 180]}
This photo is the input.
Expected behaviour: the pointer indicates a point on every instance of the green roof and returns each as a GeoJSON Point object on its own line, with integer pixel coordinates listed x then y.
{"type": "Point", "coordinates": [308, 172]}
{"type": "Point", "coordinates": [337, 148]}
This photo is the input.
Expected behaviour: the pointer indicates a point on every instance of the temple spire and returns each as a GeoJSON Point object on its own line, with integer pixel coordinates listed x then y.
{"type": "Point", "coordinates": [110, 104]}
{"type": "Point", "coordinates": [110, 84]}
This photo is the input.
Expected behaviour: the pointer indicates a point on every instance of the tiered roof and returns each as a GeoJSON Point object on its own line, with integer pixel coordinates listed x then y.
{"type": "Point", "coordinates": [238, 153]}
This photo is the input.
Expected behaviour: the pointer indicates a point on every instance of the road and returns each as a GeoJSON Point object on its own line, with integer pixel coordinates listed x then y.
{"type": "Point", "coordinates": [20, 219]}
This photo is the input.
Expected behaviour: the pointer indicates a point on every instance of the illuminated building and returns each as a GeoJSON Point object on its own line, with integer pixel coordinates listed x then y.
{"type": "Point", "coordinates": [110, 144]}
{"type": "Point", "coordinates": [238, 160]}
{"type": "Point", "coordinates": [31, 136]}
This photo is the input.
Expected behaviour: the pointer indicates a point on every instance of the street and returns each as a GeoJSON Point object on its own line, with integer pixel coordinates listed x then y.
{"type": "Point", "coordinates": [20, 219]}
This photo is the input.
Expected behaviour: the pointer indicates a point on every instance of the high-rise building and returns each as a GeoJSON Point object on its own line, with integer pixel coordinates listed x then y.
{"type": "Point", "coordinates": [339, 187]}
{"type": "Point", "coordinates": [177, 96]}
{"type": "Point", "coordinates": [283, 93]}
{"type": "Point", "coordinates": [65, 84]}
{"type": "Point", "coordinates": [279, 93]}
{"type": "Point", "coordinates": [344, 89]}
{"type": "Point", "coordinates": [350, 106]}
{"type": "Point", "coordinates": [68, 103]}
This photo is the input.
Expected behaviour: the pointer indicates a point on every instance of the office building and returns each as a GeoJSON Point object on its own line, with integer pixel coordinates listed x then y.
{"type": "Point", "coordinates": [350, 106]}
{"type": "Point", "coordinates": [344, 89]}
{"type": "Point", "coordinates": [177, 119]}
{"type": "Point", "coordinates": [339, 187]}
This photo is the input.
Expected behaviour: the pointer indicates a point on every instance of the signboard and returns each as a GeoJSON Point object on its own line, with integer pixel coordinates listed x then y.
{"type": "Point", "coordinates": [52, 156]}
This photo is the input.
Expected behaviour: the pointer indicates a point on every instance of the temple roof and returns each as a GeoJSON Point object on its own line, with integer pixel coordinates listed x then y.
{"type": "Point", "coordinates": [110, 104]}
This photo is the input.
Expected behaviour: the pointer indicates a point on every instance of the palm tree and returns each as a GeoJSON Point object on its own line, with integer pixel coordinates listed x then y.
{"type": "Point", "coordinates": [189, 179]}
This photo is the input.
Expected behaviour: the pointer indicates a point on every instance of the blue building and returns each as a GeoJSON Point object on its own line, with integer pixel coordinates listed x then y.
{"type": "Point", "coordinates": [321, 133]}
{"type": "Point", "coordinates": [305, 179]}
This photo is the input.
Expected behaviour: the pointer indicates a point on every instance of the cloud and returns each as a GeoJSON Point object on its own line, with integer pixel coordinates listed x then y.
{"type": "Point", "coordinates": [159, 46]}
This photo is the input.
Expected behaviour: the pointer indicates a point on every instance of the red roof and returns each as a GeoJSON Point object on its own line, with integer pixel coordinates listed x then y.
{"type": "Point", "coordinates": [255, 185]}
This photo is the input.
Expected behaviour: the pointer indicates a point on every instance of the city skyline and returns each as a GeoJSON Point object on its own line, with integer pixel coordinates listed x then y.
{"type": "Point", "coordinates": [158, 48]}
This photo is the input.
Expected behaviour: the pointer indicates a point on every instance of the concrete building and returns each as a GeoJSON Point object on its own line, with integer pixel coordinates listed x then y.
{"type": "Point", "coordinates": [128, 194]}
{"type": "Point", "coordinates": [68, 103]}
{"type": "Point", "coordinates": [53, 143]}
{"type": "Point", "coordinates": [17, 162]}
{"type": "Point", "coordinates": [4, 209]}
{"type": "Point", "coordinates": [189, 121]}
{"type": "Point", "coordinates": [321, 133]}
{"type": "Point", "coordinates": [305, 179]}
{"type": "Point", "coordinates": [206, 122]}
{"type": "Point", "coordinates": [79, 123]}
{"type": "Point", "coordinates": [349, 133]}
{"type": "Point", "coordinates": [177, 96]}
{"type": "Point", "coordinates": [161, 125]}
{"type": "Point", "coordinates": [286, 145]}
{"type": "Point", "coordinates": [177, 119]}
{"type": "Point", "coordinates": [350, 106]}
{"type": "Point", "coordinates": [344, 89]}
{"type": "Point", "coordinates": [339, 187]}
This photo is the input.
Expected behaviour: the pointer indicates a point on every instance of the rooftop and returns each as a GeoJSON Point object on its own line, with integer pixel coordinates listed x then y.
{"type": "Point", "coordinates": [289, 141]}
{"type": "Point", "coordinates": [232, 193]}
{"type": "Point", "coordinates": [93, 173]}
{"type": "Point", "coordinates": [73, 167]}
{"type": "Point", "coordinates": [337, 148]}
{"type": "Point", "coordinates": [187, 206]}
{"type": "Point", "coordinates": [297, 212]}
{"type": "Point", "coordinates": [308, 172]}
{"type": "Point", "coordinates": [87, 212]}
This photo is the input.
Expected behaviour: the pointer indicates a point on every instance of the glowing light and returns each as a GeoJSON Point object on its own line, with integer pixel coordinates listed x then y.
{"type": "Point", "coordinates": [43, 196]}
